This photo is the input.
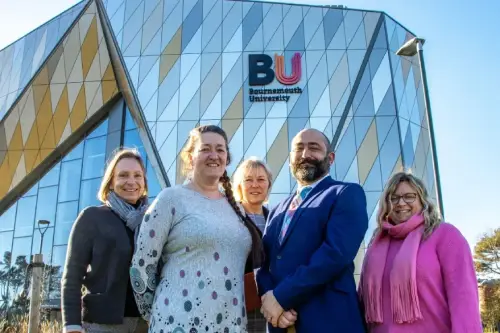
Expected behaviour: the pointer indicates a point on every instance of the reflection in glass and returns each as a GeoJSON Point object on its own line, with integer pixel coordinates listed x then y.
{"type": "Point", "coordinates": [18, 286]}
{"type": "Point", "coordinates": [58, 258]}
{"type": "Point", "coordinates": [66, 216]}
{"type": "Point", "coordinates": [52, 177]}
{"type": "Point", "coordinates": [46, 205]}
{"type": "Point", "coordinates": [75, 153]}
{"type": "Point", "coordinates": [8, 218]}
{"type": "Point", "coordinates": [25, 216]}
{"type": "Point", "coordinates": [88, 196]}
{"type": "Point", "coordinates": [48, 237]}
{"type": "Point", "coordinates": [94, 157]}
{"type": "Point", "coordinates": [69, 187]}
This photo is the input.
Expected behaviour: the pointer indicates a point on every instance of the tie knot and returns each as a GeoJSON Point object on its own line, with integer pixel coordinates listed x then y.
{"type": "Point", "coordinates": [304, 192]}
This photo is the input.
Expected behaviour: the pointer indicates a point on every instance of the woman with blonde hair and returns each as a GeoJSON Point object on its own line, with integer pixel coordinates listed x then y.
{"type": "Point", "coordinates": [418, 274]}
{"type": "Point", "coordinates": [252, 183]}
{"type": "Point", "coordinates": [205, 241]}
{"type": "Point", "coordinates": [100, 250]}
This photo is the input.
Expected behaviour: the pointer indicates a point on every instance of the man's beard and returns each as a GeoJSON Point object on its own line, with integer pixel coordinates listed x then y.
{"type": "Point", "coordinates": [312, 172]}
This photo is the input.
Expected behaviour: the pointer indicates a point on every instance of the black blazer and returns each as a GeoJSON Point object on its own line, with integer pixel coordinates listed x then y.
{"type": "Point", "coordinates": [99, 238]}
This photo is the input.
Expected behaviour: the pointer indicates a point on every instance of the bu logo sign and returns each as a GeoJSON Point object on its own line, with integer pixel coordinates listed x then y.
{"type": "Point", "coordinates": [260, 72]}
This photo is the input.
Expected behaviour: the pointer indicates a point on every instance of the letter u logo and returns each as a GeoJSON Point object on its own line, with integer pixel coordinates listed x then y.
{"type": "Point", "coordinates": [279, 68]}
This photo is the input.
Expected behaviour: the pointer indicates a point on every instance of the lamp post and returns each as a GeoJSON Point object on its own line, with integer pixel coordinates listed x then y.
{"type": "Point", "coordinates": [36, 282]}
{"type": "Point", "coordinates": [415, 47]}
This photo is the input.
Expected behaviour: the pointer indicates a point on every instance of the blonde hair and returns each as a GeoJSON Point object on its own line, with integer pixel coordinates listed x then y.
{"type": "Point", "coordinates": [432, 217]}
{"type": "Point", "coordinates": [119, 155]}
{"type": "Point", "coordinates": [249, 164]}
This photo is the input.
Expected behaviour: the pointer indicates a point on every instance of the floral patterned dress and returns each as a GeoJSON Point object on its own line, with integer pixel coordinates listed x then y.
{"type": "Point", "coordinates": [204, 246]}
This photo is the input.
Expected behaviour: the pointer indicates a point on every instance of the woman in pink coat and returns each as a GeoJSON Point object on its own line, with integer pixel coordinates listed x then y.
{"type": "Point", "coordinates": [418, 274]}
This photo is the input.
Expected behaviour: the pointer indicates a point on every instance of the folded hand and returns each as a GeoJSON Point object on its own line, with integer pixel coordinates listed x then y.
{"type": "Point", "coordinates": [271, 309]}
{"type": "Point", "coordinates": [287, 319]}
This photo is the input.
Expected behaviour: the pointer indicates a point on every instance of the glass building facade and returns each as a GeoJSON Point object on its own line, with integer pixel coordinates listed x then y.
{"type": "Point", "coordinates": [108, 73]}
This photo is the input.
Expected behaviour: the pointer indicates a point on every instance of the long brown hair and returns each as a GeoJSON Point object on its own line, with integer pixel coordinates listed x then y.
{"type": "Point", "coordinates": [257, 248]}
{"type": "Point", "coordinates": [119, 155]}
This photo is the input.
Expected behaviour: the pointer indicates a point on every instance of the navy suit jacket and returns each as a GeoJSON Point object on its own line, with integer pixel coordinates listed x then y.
{"type": "Point", "coordinates": [311, 271]}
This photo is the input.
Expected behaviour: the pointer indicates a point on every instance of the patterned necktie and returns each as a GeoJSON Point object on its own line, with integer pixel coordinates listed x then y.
{"type": "Point", "coordinates": [297, 200]}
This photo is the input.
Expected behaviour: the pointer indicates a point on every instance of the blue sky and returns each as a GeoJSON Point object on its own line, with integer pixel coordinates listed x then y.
{"type": "Point", "coordinates": [462, 55]}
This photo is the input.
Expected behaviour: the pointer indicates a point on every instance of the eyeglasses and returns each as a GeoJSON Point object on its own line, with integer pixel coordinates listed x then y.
{"type": "Point", "coordinates": [407, 197]}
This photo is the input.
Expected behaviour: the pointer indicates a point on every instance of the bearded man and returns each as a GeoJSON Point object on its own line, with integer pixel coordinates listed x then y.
{"type": "Point", "coordinates": [311, 240]}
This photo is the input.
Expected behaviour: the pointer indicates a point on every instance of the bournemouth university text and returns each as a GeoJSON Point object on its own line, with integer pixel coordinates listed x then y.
{"type": "Point", "coordinates": [272, 95]}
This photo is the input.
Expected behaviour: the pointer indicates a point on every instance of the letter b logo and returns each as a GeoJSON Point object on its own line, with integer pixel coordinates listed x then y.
{"type": "Point", "coordinates": [260, 72]}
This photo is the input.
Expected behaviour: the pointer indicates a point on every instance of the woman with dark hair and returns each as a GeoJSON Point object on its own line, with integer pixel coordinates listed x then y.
{"type": "Point", "coordinates": [206, 242]}
{"type": "Point", "coordinates": [100, 250]}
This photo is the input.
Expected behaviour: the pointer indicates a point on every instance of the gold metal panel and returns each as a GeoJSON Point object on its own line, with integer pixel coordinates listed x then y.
{"type": "Point", "coordinates": [53, 61]}
{"type": "Point", "coordinates": [14, 157]}
{"type": "Point", "coordinates": [94, 73]}
{"type": "Point", "coordinates": [235, 110]}
{"type": "Point", "coordinates": [29, 159]}
{"type": "Point", "coordinates": [27, 116]}
{"type": "Point", "coordinates": [19, 173]}
{"type": "Point", "coordinates": [32, 142]}
{"type": "Point", "coordinates": [44, 116]}
{"type": "Point", "coordinates": [230, 126]}
{"type": "Point", "coordinates": [76, 74]}
{"type": "Point", "coordinates": [278, 152]}
{"type": "Point", "coordinates": [79, 111]}
{"type": "Point", "coordinates": [6, 179]}
{"type": "Point", "coordinates": [42, 77]}
{"type": "Point", "coordinates": [49, 141]}
{"type": "Point", "coordinates": [61, 115]}
{"type": "Point", "coordinates": [167, 61]}
{"type": "Point", "coordinates": [89, 47]}
{"type": "Point", "coordinates": [174, 46]}
{"type": "Point", "coordinates": [367, 152]}
{"type": "Point", "coordinates": [109, 89]}
{"type": "Point", "coordinates": [38, 95]}
{"type": "Point", "coordinates": [44, 153]}
{"type": "Point", "coordinates": [59, 75]}
{"type": "Point", "coordinates": [109, 74]}
{"type": "Point", "coordinates": [16, 142]}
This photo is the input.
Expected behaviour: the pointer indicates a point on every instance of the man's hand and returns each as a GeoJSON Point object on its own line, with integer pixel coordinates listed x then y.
{"type": "Point", "coordinates": [287, 319]}
{"type": "Point", "coordinates": [271, 309]}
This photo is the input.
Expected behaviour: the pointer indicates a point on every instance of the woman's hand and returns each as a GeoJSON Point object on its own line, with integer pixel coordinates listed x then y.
{"type": "Point", "coordinates": [287, 319]}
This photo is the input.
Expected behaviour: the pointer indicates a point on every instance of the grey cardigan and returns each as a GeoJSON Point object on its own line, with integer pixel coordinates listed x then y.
{"type": "Point", "coordinates": [98, 239]}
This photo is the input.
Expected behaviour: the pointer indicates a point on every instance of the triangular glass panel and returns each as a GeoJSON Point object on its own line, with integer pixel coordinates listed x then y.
{"type": "Point", "coordinates": [333, 57]}
{"type": "Point", "coordinates": [163, 130]}
{"type": "Point", "coordinates": [297, 41]}
{"type": "Point", "coordinates": [256, 44]}
{"type": "Point", "coordinates": [338, 41]}
{"type": "Point", "coordinates": [371, 20]}
{"type": "Point", "coordinates": [358, 42]}
{"type": "Point", "coordinates": [251, 22]}
{"type": "Point", "coordinates": [366, 107]}
{"type": "Point", "coordinates": [146, 63]}
{"type": "Point", "coordinates": [408, 152]}
{"type": "Point", "coordinates": [355, 58]}
{"type": "Point", "coordinates": [332, 23]}
{"type": "Point", "coordinates": [322, 108]}
{"type": "Point", "coordinates": [352, 22]}
{"type": "Point", "coordinates": [381, 42]}
{"type": "Point", "coordinates": [250, 129]}
{"type": "Point", "coordinates": [154, 47]}
{"type": "Point", "coordinates": [301, 108]}
{"type": "Point", "coordinates": [312, 59]}
{"type": "Point", "coordinates": [352, 175]}
{"type": "Point", "coordinates": [387, 107]}
{"type": "Point", "coordinates": [374, 180]}
{"type": "Point", "coordinates": [390, 151]}
{"type": "Point", "coordinates": [345, 151]}
{"type": "Point", "coordinates": [295, 125]}
{"type": "Point", "coordinates": [361, 126]}
{"type": "Point", "coordinates": [384, 124]}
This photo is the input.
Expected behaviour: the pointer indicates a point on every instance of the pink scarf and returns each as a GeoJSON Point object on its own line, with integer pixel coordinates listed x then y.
{"type": "Point", "coordinates": [404, 296]}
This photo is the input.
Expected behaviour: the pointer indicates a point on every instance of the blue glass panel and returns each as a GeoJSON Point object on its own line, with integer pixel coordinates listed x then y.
{"type": "Point", "coordinates": [33, 191]}
{"type": "Point", "coordinates": [295, 125]}
{"type": "Point", "coordinates": [211, 25]}
{"type": "Point", "coordinates": [384, 124]}
{"type": "Point", "coordinates": [101, 130]}
{"type": "Point", "coordinates": [366, 106]}
{"type": "Point", "coordinates": [390, 152]}
{"type": "Point", "coordinates": [7, 220]}
{"type": "Point", "coordinates": [191, 24]}
{"type": "Point", "coordinates": [46, 205]}
{"type": "Point", "coordinates": [94, 158]}
{"type": "Point", "coordinates": [5, 246]}
{"type": "Point", "coordinates": [374, 180]}
{"type": "Point", "coordinates": [345, 152]}
{"type": "Point", "coordinates": [25, 217]}
{"type": "Point", "coordinates": [361, 126]}
{"type": "Point", "coordinates": [88, 195]}
{"type": "Point", "coordinates": [408, 152]}
{"type": "Point", "coordinates": [381, 42]}
{"type": "Point", "coordinates": [153, 186]}
{"type": "Point", "coordinates": [297, 42]}
{"type": "Point", "coordinates": [52, 177]}
{"type": "Point", "coordinates": [301, 108]}
{"type": "Point", "coordinates": [69, 185]}
{"type": "Point", "coordinates": [251, 22]}
{"type": "Point", "coordinates": [65, 217]}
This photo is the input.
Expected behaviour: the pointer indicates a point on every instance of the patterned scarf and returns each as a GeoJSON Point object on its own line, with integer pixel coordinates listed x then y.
{"type": "Point", "coordinates": [129, 214]}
